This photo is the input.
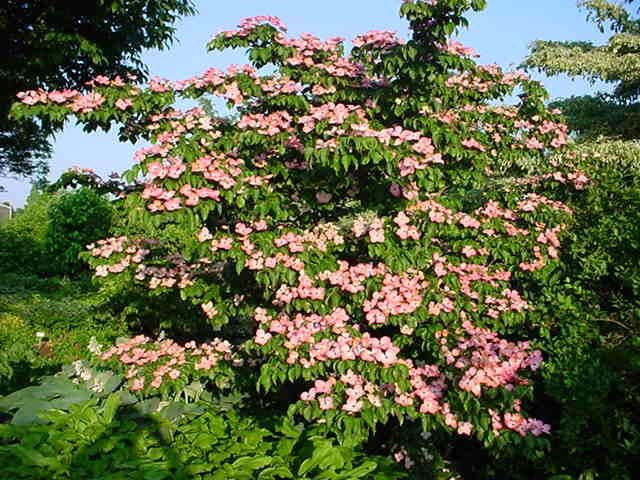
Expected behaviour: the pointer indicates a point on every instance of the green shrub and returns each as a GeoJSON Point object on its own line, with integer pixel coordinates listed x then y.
{"type": "Point", "coordinates": [593, 376]}
{"type": "Point", "coordinates": [22, 238]}
{"type": "Point", "coordinates": [75, 219]}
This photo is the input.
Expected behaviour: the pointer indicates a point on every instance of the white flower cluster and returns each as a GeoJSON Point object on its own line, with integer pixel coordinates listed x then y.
{"type": "Point", "coordinates": [85, 374]}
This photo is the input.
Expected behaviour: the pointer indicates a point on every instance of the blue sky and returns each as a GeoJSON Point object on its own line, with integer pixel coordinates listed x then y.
{"type": "Point", "coordinates": [500, 34]}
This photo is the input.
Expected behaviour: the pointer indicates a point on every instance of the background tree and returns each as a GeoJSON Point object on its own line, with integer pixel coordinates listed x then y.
{"type": "Point", "coordinates": [603, 248]}
{"type": "Point", "coordinates": [22, 237]}
{"type": "Point", "coordinates": [617, 62]}
{"type": "Point", "coordinates": [61, 45]}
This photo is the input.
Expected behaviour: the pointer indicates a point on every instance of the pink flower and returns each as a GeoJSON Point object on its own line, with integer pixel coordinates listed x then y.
{"type": "Point", "coordinates": [325, 403]}
{"type": "Point", "coordinates": [465, 428]}
{"type": "Point", "coordinates": [172, 204]}
{"type": "Point", "coordinates": [123, 103]}
{"type": "Point", "coordinates": [473, 143]}
{"type": "Point", "coordinates": [137, 384]}
{"type": "Point", "coordinates": [204, 235]}
{"type": "Point", "coordinates": [262, 337]}
{"type": "Point", "coordinates": [209, 309]}
{"type": "Point", "coordinates": [323, 197]}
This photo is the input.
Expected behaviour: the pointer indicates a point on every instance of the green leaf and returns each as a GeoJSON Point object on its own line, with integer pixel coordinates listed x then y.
{"type": "Point", "coordinates": [111, 406]}
{"type": "Point", "coordinates": [252, 463]}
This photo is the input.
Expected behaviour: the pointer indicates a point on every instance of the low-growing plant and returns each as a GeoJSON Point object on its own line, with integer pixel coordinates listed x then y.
{"type": "Point", "coordinates": [102, 439]}
{"type": "Point", "coordinates": [45, 323]}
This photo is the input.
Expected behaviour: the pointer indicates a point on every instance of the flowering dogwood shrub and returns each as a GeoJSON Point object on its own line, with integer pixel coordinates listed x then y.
{"type": "Point", "coordinates": [352, 215]}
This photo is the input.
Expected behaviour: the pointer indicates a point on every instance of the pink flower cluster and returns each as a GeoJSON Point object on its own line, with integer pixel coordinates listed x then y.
{"type": "Point", "coordinates": [249, 24]}
{"type": "Point", "coordinates": [517, 423]}
{"type": "Point", "coordinates": [334, 114]}
{"type": "Point", "coordinates": [492, 209]}
{"type": "Point", "coordinates": [319, 237]}
{"type": "Point", "coordinates": [106, 248]}
{"type": "Point", "coordinates": [486, 359]}
{"type": "Point", "coordinates": [165, 360]}
{"type": "Point", "coordinates": [355, 389]}
{"type": "Point", "coordinates": [219, 168]}
{"type": "Point", "coordinates": [473, 144]}
{"type": "Point", "coordinates": [374, 228]}
{"type": "Point", "coordinates": [310, 51]}
{"type": "Point", "coordinates": [180, 275]}
{"type": "Point", "coordinates": [278, 86]}
{"type": "Point", "coordinates": [347, 347]}
{"type": "Point", "coordinates": [320, 387]}
{"type": "Point", "coordinates": [302, 330]}
{"type": "Point", "coordinates": [475, 83]}
{"type": "Point", "coordinates": [351, 278]}
{"type": "Point", "coordinates": [456, 48]}
{"type": "Point", "coordinates": [87, 103]}
{"type": "Point", "coordinates": [405, 230]}
{"type": "Point", "coordinates": [409, 165]}
{"type": "Point", "coordinates": [537, 264]}
{"type": "Point", "coordinates": [33, 97]}
{"type": "Point", "coordinates": [173, 168]}
{"type": "Point", "coordinates": [510, 301]}
{"type": "Point", "coordinates": [467, 273]}
{"type": "Point", "coordinates": [269, 124]}
{"type": "Point", "coordinates": [305, 289]}
{"type": "Point", "coordinates": [533, 200]}
{"type": "Point", "coordinates": [378, 39]}
{"type": "Point", "coordinates": [400, 295]}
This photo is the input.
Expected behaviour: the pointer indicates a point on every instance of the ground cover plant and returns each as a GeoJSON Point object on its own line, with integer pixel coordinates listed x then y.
{"type": "Point", "coordinates": [46, 323]}
{"type": "Point", "coordinates": [369, 248]}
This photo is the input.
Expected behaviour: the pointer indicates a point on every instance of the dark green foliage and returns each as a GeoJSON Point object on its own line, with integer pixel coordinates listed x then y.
{"type": "Point", "coordinates": [592, 323]}
{"type": "Point", "coordinates": [605, 245]}
{"type": "Point", "coordinates": [64, 44]}
{"type": "Point", "coordinates": [75, 220]}
{"type": "Point", "coordinates": [590, 116]}
{"type": "Point", "coordinates": [593, 376]}
{"type": "Point", "coordinates": [101, 439]}
{"type": "Point", "coordinates": [602, 426]}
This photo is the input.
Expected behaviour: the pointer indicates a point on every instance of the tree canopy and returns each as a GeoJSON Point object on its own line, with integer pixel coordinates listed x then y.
{"type": "Point", "coordinates": [64, 44]}
{"type": "Point", "coordinates": [616, 62]}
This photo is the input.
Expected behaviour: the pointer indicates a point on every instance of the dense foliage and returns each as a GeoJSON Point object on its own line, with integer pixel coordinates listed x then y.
{"type": "Point", "coordinates": [22, 238]}
{"type": "Point", "coordinates": [375, 256]}
{"type": "Point", "coordinates": [47, 236]}
{"type": "Point", "coordinates": [75, 219]}
{"type": "Point", "coordinates": [103, 439]}
{"type": "Point", "coordinates": [599, 433]}
{"type": "Point", "coordinates": [47, 323]}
